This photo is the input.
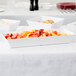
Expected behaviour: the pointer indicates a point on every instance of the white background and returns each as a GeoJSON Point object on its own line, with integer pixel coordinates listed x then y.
{"type": "Point", "coordinates": [3, 2]}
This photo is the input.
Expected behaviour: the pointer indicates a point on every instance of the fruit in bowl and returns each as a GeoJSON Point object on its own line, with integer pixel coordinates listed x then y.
{"type": "Point", "coordinates": [47, 21]}
{"type": "Point", "coordinates": [33, 34]}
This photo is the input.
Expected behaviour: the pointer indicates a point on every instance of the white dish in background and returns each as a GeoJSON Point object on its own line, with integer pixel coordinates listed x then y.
{"type": "Point", "coordinates": [58, 21]}
{"type": "Point", "coordinates": [8, 25]}
{"type": "Point", "coordinates": [34, 22]}
{"type": "Point", "coordinates": [71, 27]}
{"type": "Point", "coordinates": [41, 40]}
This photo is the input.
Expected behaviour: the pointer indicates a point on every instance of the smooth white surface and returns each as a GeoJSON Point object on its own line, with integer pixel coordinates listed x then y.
{"type": "Point", "coordinates": [1, 10]}
{"type": "Point", "coordinates": [26, 12]}
{"type": "Point", "coordinates": [41, 1]}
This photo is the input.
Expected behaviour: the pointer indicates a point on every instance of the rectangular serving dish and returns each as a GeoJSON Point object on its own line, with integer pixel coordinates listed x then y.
{"type": "Point", "coordinates": [71, 26]}
{"type": "Point", "coordinates": [41, 40]}
{"type": "Point", "coordinates": [34, 22]}
{"type": "Point", "coordinates": [9, 24]}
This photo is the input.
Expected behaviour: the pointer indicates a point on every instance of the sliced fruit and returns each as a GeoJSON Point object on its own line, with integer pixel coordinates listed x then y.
{"type": "Point", "coordinates": [55, 32]}
{"type": "Point", "coordinates": [32, 34]}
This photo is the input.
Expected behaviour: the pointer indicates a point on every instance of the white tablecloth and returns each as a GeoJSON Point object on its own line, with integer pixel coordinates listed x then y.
{"type": "Point", "coordinates": [51, 60]}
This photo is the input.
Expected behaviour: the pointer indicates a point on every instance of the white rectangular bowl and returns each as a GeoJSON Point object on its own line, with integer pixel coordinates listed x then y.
{"type": "Point", "coordinates": [34, 22]}
{"type": "Point", "coordinates": [41, 40]}
{"type": "Point", "coordinates": [9, 24]}
{"type": "Point", "coordinates": [71, 26]}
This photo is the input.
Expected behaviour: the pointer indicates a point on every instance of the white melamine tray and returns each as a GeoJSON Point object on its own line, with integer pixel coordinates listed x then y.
{"type": "Point", "coordinates": [8, 24]}
{"type": "Point", "coordinates": [34, 22]}
{"type": "Point", "coordinates": [71, 26]}
{"type": "Point", "coordinates": [42, 40]}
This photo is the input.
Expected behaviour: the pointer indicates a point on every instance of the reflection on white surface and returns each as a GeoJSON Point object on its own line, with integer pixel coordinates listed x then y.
{"type": "Point", "coordinates": [2, 10]}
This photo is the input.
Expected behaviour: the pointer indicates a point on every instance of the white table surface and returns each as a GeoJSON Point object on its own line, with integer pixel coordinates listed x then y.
{"type": "Point", "coordinates": [23, 11]}
{"type": "Point", "coordinates": [54, 60]}
{"type": "Point", "coordinates": [50, 60]}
